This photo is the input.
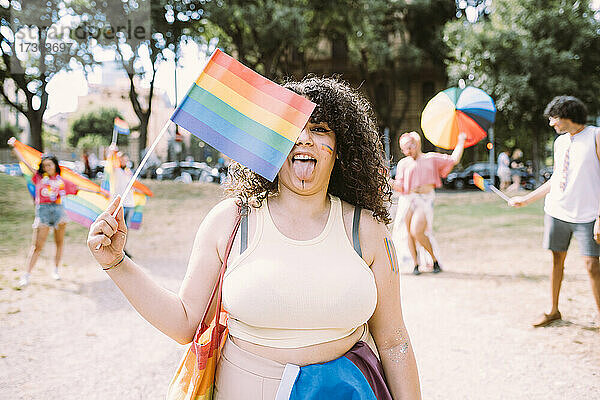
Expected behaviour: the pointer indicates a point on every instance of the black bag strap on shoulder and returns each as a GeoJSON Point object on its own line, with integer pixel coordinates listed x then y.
{"type": "Point", "coordinates": [355, 224]}
{"type": "Point", "coordinates": [244, 228]}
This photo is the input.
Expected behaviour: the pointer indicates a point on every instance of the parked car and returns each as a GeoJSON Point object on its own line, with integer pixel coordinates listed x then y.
{"type": "Point", "coordinates": [11, 169]}
{"type": "Point", "coordinates": [528, 181]}
{"type": "Point", "coordinates": [198, 171]}
{"type": "Point", "coordinates": [462, 179]}
{"type": "Point", "coordinates": [546, 173]}
{"type": "Point", "coordinates": [149, 170]}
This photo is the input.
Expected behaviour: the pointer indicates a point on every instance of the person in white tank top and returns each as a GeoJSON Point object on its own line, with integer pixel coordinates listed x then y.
{"type": "Point", "coordinates": [572, 194]}
{"type": "Point", "coordinates": [280, 311]}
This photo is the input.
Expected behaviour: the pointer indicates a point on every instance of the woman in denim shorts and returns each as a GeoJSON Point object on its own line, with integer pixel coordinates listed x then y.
{"type": "Point", "coordinates": [50, 189]}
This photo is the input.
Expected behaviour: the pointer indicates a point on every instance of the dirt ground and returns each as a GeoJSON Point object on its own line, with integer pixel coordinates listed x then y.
{"type": "Point", "coordinates": [78, 338]}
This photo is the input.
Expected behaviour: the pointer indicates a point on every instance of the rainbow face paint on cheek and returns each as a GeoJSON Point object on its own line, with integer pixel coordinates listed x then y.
{"type": "Point", "coordinates": [391, 252]}
{"type": "Point", "coordinates": [327, 148]}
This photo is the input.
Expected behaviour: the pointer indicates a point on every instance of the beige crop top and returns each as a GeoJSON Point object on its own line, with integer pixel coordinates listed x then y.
{"type": "Point", "coordinates": [289, 293]}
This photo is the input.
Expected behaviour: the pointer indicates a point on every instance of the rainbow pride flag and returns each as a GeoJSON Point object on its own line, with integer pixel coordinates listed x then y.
{"type": "Point", "coordinates": [244, 115]}
{"type": "Point", "coordinates": [83, 207]}
{"type": "Point", "coordinates": [34, 157]}
{"type": "Point", "coordinates": [140, 191]}
{"type": "Point", "coordinates": [480, 182]}
{"type": "Point", "coordinates": [121, 126]}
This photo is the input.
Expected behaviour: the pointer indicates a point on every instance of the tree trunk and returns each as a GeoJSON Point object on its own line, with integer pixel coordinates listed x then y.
{"type": "Point", "coordinates": [35, 130]}
{"type": "Point", "coordinates": [143, 140]}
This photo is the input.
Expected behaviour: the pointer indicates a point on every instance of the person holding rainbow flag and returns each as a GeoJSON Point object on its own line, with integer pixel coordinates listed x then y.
{"type": "Point", "coordinates": [312, 296]}
{"type": "Point", "coordinates": [572, 197]}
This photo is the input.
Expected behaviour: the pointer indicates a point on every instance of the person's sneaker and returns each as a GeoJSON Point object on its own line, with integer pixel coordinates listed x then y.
{"type": "Point", "coordinates": [55, 274]}
{"type": "Point", "coordinates": [416, 270]}
{"type": "Point", "coordinates": [436, 268]}
{"type": "Point", "coordinates": [24, 281]}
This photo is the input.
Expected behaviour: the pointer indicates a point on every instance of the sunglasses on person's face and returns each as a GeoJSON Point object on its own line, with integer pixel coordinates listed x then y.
{"type": "Point", "coordinates": [553, 120]}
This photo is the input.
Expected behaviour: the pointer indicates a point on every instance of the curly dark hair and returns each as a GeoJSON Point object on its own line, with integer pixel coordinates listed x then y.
{"type": "Point", "coordinates": [567, 107]}
{"type": "Point", "coordinates": [52, 158]}
{"type": "Point", "coordinates": [359, 175]}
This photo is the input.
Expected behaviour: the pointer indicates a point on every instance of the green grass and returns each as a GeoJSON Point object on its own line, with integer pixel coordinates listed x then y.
{"type": "Point", "coordinates": [16, 215]}
{"type": "Point", "coordinates": [176, 191]}
{"type": "Point", "coordinates": [481, 214]}
{"type": "Point", "coordinates": [17, 210]}
{"type": "Point", "coordinates": [478, 210]}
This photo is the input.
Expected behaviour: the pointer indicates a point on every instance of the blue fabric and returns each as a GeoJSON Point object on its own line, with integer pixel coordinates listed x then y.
{"type": "Point", "coordinates": [337, 379]}
{"type": "Point", "coordinates": [128, 215]}
{"type": "Point", "coordinates": [50, 214]}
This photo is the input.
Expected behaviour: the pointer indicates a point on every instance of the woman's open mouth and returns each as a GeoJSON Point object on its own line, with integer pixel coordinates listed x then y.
{"type": "Point", "coordinates": [303, 165]}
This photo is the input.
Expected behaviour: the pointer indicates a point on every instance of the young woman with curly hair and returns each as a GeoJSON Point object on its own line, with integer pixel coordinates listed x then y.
{"type": "Point", "coordinates": [313, 295]}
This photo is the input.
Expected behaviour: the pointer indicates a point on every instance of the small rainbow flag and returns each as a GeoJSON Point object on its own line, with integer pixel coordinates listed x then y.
{"type": "Point", "coordinates": [121, 126]}
{"type": "Point", "coordinates": [244, 115]}
{"type": "Point", "coordinates": [480, 182]}
{"type": "Point", "coordinates": [139, 193]}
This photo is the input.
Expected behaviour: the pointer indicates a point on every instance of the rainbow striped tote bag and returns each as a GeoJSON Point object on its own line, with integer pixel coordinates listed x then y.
{"type": "Point", "coordinates": [195, 376]}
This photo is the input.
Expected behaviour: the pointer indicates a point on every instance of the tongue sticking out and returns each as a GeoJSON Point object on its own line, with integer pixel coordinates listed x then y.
{"type": "Point", "coordinates": [303, 169]}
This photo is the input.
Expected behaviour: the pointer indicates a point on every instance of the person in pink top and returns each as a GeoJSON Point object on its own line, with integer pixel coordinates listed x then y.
{"type": "Point", "coordinates": [417, 175]}
{"type": "Point", "coordinates": [50, 190]}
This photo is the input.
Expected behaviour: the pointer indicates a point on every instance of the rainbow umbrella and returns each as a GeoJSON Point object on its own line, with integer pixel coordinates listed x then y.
{"type": "Point", "coordinates": [454, 110]}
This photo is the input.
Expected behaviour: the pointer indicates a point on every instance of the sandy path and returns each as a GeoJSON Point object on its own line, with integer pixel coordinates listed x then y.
{"type": "Point", "coordinates": [79, 338]}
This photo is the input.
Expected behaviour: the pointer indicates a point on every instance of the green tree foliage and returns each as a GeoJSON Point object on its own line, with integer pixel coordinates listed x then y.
{"type": "Point", "coordinates": [50, 136]}
{"type": "Point", "coordinates": [34, 47]}
{"type": "Point", "coordinates": [92, 142]}
{"type": "Point", "coordinates": [392, 43]}
{"type": "Point", "coordinates": [98, 124]}
{"type": "Point", "coordinates": [166, 24]}
{"type": "Point", "coordinates": [524, 54]}
{"type": "Point", "coordinates": [6, 132]}
{"type": "Point", "coordinates": [382, 43]}
{"type": "Point", "coordinates": [258, 32]}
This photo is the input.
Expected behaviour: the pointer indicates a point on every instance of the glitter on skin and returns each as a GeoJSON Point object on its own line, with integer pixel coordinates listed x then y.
{"type": "Point", "coordinates": [397, 354]}
{"type": "Point", "coordinates": [398, 348]}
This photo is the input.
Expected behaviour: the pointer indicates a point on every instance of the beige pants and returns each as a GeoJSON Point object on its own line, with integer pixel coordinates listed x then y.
{"type": "Point", "coordinates": [400, 235]}
{"type": "Point", "coordinates": [242, 375]}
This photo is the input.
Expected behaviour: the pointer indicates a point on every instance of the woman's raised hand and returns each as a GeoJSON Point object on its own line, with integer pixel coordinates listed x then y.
{"type": "Point", "coordinates": [107, 236]}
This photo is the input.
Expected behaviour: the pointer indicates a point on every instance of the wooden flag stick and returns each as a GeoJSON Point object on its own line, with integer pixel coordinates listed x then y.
{"type": "Point", "coordinates": [142, 163]}
{"type": "Point", "coordinates": [114, 136]}
{"type": "Point", "coordinates": [499, 193]}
